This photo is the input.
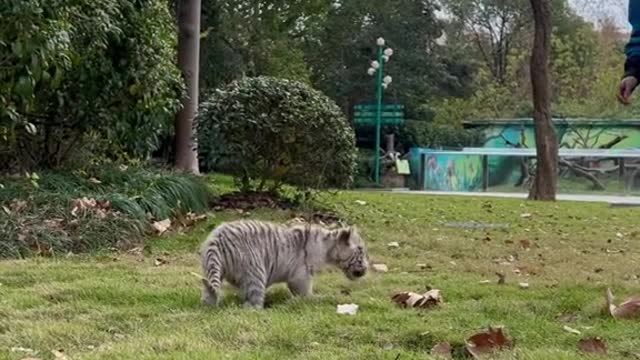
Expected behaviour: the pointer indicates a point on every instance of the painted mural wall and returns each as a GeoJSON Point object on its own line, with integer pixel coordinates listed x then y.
{"type": "Point", "coordinates": [464, 172]}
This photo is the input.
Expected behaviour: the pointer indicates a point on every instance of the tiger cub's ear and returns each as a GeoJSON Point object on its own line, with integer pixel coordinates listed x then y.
{"type": "Point", "coordinates": [345, 235]}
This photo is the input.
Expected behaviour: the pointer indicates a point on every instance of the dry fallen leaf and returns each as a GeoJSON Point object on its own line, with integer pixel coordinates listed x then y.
{"type": "Point", "coordinates": [90, 204]}
{"type": "Point", "coordinates": [60, 355]}
{"type": "Point", "coordinates": [382, 268]}
{"type": "Point", "coordinates": [442, 350]}
{"type": "Point", "coordinates": [629, 309]}
{"type": "Point", "coordinates": [161, 226]}
{"type": "Point", "coordinates": [593, 346]}
{"type": "Point", "coordinates": [571, 330]}
{"type": "Point", "coordinates": [19, 349]}
{"type": "Point", "coordinates": [502, 278]}
{"type": "Point", "coordinates": [426, 300]}
{"type": "Point", "coordinates": [18, 205]}
{"type": "Point", "coordinates": [526, 215]}
{"type": "Point", "coordinates": [192, 218]}
{"type": "Point", "coordinates": [524, 285]}
{"type": "Point", "coordinates": [393, 244]}
{"type": "Point", "coordinates": [160, 262]}
{"type": "Point", "coordinates": [95, 181]}
{"type": "Point", "coordinates": [525, 244]}
{"type": "Point", "coordinates": [487, 342]}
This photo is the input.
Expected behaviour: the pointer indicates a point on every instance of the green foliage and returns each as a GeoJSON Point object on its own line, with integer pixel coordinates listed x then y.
{"type": "Point", "coordinates": [343, 46]}
{"type": "Point", "coordinates": [586, 63]}
{"type": "Point", "coordinates": [279, 130]}
{"type": "Point", "coordinates": [73, 71]}
{"type": "Point", "coordinates": [365, 168]}
{"type": "Point", "coordinates": [239, 43]}
{"type": "Point", "coordinates": [435, 136]}
{"type": "Point", "coordinates": [46, 223]}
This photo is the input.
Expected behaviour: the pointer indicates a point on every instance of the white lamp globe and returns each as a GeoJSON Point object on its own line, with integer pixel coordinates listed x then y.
{"type": "Point", "coordinates": [380, 41]}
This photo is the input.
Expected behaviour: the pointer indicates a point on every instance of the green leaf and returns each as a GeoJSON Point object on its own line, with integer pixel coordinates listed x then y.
{"type": "Point", "coordinates": [17, 49]}
{"type": "Point", "coordinates": [24, 86]}
{"type": "Point", "coordinates": [31, 129]}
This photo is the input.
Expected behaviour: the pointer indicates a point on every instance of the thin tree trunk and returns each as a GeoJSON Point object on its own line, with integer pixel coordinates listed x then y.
{"type": "Point", "coordinates": [545, 183]}
{"type": "Point", "coordinates": [189, 62]}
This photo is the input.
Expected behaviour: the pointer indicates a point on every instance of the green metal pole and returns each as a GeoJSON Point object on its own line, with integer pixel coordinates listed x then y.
{"type": "Point", "coordinates": [379, 114]}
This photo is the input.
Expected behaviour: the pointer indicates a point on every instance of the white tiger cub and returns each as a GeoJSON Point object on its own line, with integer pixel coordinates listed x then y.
{"type": "Point", "coordinates": [252, 255]}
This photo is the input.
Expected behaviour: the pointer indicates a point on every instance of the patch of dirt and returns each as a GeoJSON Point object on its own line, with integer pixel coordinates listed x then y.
{"type": "Point", "coordinates": [250, 201]}
{"type": "Point", "coordinates": [244, 202]}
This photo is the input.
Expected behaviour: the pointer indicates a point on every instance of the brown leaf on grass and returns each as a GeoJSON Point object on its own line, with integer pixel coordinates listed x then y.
{"type": "Point", "coordinates": [18, 205]}
{"type": "Point", "coordinates": [442, 350]}
{"type": "Point", "coordinates": [487, 342]}
{"type": "Point", "coordinates": [6, 210]}
{"type": "Point", "coordinates": [381, 268]}
{"type": "Point", "coordinates": [593, 346]}
{"type": "Point", "coordinates": [629, 309]}
{"type": "Point", "coordinates": [160, 262]}
{"type": "Point", "coordinates": [525, 244]}
{"type": "Point", "coordinates": [85, 204]}
{"type": "Point", "coordinates": [60, 355]}
{"type": "Point", "coordinates": [161, 226]}
{"type": "Point", "coordinates": [412, 300]}
{"type": "Point", "coordinates": [54, 224]}
{"type": "Point", "coordinates": [190, 219]}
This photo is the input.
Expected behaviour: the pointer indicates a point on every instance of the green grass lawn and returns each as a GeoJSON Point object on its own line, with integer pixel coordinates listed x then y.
{"type": "Point", "coordinates": [123, 306]}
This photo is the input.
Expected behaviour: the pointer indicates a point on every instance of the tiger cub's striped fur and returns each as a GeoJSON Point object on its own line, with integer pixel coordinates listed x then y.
{"type": "Point", "coordinates": [252, 255]}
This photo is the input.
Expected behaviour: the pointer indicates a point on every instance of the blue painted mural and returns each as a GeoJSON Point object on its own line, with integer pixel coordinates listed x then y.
{"type": "Point", "coordinates": [464, 172]}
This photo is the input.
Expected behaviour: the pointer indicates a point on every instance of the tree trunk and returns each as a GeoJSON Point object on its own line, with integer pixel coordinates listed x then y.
{"type": "Point", "coordinates": [189, 62]}
{"type": "Point", "coordinates": [545, 183]}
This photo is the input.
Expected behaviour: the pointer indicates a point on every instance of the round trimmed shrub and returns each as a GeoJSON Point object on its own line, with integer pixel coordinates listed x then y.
{"type": "Point", "coordinates": [268, 131]}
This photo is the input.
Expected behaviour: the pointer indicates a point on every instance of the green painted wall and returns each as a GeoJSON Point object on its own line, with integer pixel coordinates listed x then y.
{"type": "Point", "coordinates": [464, 172]}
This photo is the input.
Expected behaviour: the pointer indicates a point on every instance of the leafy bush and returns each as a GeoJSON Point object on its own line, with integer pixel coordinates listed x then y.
{"type": "Point", "coordinates": [429, 135]}
{"type": "Point", "coordinates": [38, 215]}
{"type": "Point", "coordinates": [267, 129]}
{"type": "Point", "coordinates": [78, 70]}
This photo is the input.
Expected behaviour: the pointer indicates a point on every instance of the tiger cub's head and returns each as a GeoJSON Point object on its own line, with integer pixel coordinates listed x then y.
{"type": "Point", "coordinates": [349, 253]}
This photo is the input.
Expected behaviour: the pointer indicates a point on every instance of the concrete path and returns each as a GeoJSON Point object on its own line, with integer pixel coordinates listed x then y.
{"type": "Point", "coordinates": [610, 199]}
